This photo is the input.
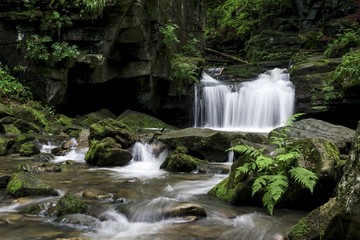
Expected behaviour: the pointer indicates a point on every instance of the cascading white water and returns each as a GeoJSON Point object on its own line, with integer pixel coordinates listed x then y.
{"type": "Point", "coordinates": [257, 106]}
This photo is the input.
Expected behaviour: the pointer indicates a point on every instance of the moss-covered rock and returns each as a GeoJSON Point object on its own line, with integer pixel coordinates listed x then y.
{"type": "Point", "coordinates": [114, 129]}
{"type": "Point", "coordinates": [5, 111]}
{"type": "Point", "coordinates": [135, 120]}
{"type": "Point", "coordinates": [34, 209]}
{"type": "Point", "coordinates": [107, 152]}
{"type": "Point", "coordinates": [180, 161]}
{"type": "Point", "coordinates": [29, 149]}
{"type": "Point", "coordinates": [69, 204]}
{"type": "Point", "coordinates": [94, 117]}
{"type": "Point", "coordinates": [5, 144]}
{"type": "Point", "coordinates": [201, 143]}
{"type": "Point", "coordinates": [24, 184]}
{"type": "Point", "coordinates": [11, 129]}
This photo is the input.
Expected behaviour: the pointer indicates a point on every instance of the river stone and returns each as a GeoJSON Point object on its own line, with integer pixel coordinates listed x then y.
{"type": "Point", "coordinates": [185, 210]}
{"type": "Point", "coordinates": [24, 184]}
{"type": "Point", "coordinates": [114, 129]}
{"type": "Point", "coordinates": [202, 143]}
{"type": "Point", "coordinates": [29, 149]}
{"type": "Point", "coordinates": [107, 152]}
{"type": "Point", "coordinates": [4, 180]}
{"type": "Point", "coordinates": [180, 161]}
{"type": "Point", "coordinates": [70, 204]}
{"type": "Point", "coordinates": [80, 219]}
{"type": "Point", "coordinates": [5, 144]}
{"type": "Point", "coordinates": [96, 194]}
{"type": "Point", "coordinates": [5, 111]}
{"type": "Point", "coordinates": [341, 136]}
{"type": "Point", "coordinates": [43, 157]}
{"type": "Point", "coordinates": [339, 217]}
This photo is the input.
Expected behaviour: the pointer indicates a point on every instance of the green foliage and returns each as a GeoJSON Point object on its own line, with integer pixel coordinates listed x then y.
{"type": "Point", "coordinates": [184, 72]}
{"type": "Point", "coordinates": [62, 50]}
{"type": "Point", "coordinates": [346, 75]}
{"type": "Point", "coordinates": [57, 21]}
{"type": "Point", "coordinates": [93, 6]}
{"type": "Point", "coordinates": [36, 47]}
{"type": "Point", "coordinates": [42, 49]}
{"type": "Point", "coordinates": [274, 172]}
{"type": "Point", "coordinates": [10, 88]}
{"type": "Point", "coordinates": [191, 48]}
{"type": "Point", "coordinates": [344, 41]}
{"type": "Point", "coordinates": [169, 38]}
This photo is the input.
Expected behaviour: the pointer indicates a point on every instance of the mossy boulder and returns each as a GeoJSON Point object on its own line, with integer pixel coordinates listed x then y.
{"type": "Point", "coordinates": [94, 117]}
{"type": "Point", "coordinates": [317, 155]}
{"type": "Point", "coordinates": [70, 204]}
{"type": "Point", "coordinates": [11, 129]}
{"type": "Point", "coordinates": [201, 143]}
{"type": "Point", "coordinates": [339, 217]}
{"type": "Point", "coordinates": [180, 161]}
{"type": "Point", "coordinates": [136, 120]}
{"type": "Point", "coordinates": [24, 184]}
{"type": "Point", "coordinates": [5, 111]}
{"type": "Point", "coordinates": [107, 152]}
{"type": "Point", "coordinates": [29, 149]}
{"type": "Point", "coordinates": [114, 129]}
{"type": "Point", "coordinates": [5, 145]}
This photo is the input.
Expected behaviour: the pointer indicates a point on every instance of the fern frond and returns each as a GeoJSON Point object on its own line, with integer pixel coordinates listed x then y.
{"type": "Point", "coordinates": [259, 184]}
{"type": "Point", "coordinates": [277, 186]}
{"type": "Point", "coordinates": [305, 177]}
{"type": "Point", "coordinates": [268, 202]}
{"type": "Point", "coordinates": [289, 156]}
{"type": "Point", "coordinates": [247, 150]}
{"type": "Point", "coordinates": [263, 162]}
{"type": "Point", "coordinates": [244, 169]}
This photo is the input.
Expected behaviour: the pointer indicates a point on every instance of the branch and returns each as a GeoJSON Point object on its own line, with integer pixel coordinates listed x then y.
{"type": "Point", "coordinates": [226, 55]}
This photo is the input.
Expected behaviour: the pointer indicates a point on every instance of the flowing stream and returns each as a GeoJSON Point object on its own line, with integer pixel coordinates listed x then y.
{"type": "Point", "coordinates": [140, 192]}
{"type": "Point", "coordinates": [256, 106]}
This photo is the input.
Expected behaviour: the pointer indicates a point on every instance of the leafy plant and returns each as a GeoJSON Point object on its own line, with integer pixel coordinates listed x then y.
{"type": "Point", "coordinates": [36, 47]}
{"type": "Point", "coordinates": [93, 6]}
{"type": "Point", "coordinates": [346, 75]}
{"type": "Point", "coordinates": [169, 38]}
{"type": "Point", "coordinates": [184, 72]}
{"type": "Point", "coordinates": [344, 41]}
{"type": "Point", "coordinates": [191, 48]}
{"type": "Point", "coordinates": [273, 172]}
{"type": "Point", "coordinates": [62, 50]}
{"type": "Point", "coordinates": [10, 87]}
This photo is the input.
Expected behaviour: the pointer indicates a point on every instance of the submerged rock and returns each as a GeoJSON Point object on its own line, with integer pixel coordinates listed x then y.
{"type": "Point", "coordinates": [96, 194]}
{"type": "Point", "coordinates": [185, 210]}
{"type": "Point", "coordinates": [24, 184]}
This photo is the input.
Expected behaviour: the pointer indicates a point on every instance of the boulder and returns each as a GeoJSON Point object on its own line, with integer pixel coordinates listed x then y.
{"type": "Point", "coordinates": [5, 111]}
{"type": "Point", "coordinates": [24, 184]}
{"type": "Point", "coordinates": [202, 143]}
{"type": "Point", "coordinates": [114, 129]}
{"type": "Point", "coordinates": [180, 161]}
{"type": "Point", "coordinates": [29, 149]}
{"type": "Point", "coordinates": [107, 152]}
{"type": "Point", "coordinates": [94, 117]}
{"type": "Point", "coordinates": [69, 204]}
{"type": "Point", "coordinates": [4, 180]}
{"type": "Point", "coordinates": [96, 194]}
{"type": "Point", "coordinates": [5, 145]}
{"type": "Point", "coordinates": [185, 210]}
{"type": "Point", "coordinates": [136, 120]}
{"type": "Point", "coordinates": [339, 217]}
{"type": "Point", "coordinates": [43, 157]}
{"type": "Point", "coordinates": [318, 155]}
{"type": "Point", "coordinates": [341, 136]}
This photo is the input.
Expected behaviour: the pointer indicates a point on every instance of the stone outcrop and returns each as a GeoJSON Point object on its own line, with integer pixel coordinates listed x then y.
{"type": "Point", "coordinates": [339, 217]}
{"type": "Point", "coordinates": [125, 65]}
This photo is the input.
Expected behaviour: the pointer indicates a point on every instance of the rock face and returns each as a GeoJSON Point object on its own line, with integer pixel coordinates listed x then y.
{"type": "Point", "coordinates": [339, 217]}
{"type": "Point", "coordinates": [125, 64]}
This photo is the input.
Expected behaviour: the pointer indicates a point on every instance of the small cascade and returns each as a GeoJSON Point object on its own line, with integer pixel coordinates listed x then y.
{"type": "Point", "coordinates": [146, 161]}
{"type": "Point", "coordinates": [257, 106]}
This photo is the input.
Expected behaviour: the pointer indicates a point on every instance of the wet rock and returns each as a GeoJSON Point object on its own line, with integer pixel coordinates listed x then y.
{"type": "Point", "coordinates": [5, 111]}
{"type": "Point", "coordinates": [69, 204]}
{"type": "Point", "coordinates": [11, 129]}
{"type": "Point", "coordinates": [341, 136]}
{"type": "Point", "coordinates": [180, 161]}
{"type": "Point", "coordinates": [96, 194]}
{"type": "Point", "coordinates": [185, 210]}
{"type": "Point", "coordinates": [29, 149]}
{"type": "Point", "coordinates": [43, 157]}
{"type": "Point", "coordinates": [107, 152]}
{"type": "Point", "coordinates": [339, 217]}
{"type": "Point", "coordinates": [24, 184]}
{"type": "Point", "coordinates": [4, 180]}
{"type": "Point", "coordinates": [26, 127]}
{"type": "Point", "coordinates": [5, 145]}
{"type": "Point", "coordinates": [83, 138]}
{"type": "Point", "coordinates": [94, 117]}
{"type": "Point", "coordinates": [201, 143]}
{"type": "Point", "coordinates": [114, 129]}
{"type": "Point", "coordinates": [64, 147]}
{"type": "Point", "coordinates": [79, 219]}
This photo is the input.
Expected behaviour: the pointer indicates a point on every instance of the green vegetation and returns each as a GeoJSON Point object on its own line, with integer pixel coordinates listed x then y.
{"type": "Point", "coordinates": [10, 88]}
{"type": "Point", "coordinates": [346, 75]}
{"type": "Point", "coordinates": [273, 172]}
{"type": "Point", "coordinates": [169, 38]}
{"type": "Point", "coordinates": [69, 204]}
{"type": "Point", "coordinates": [344, 41]}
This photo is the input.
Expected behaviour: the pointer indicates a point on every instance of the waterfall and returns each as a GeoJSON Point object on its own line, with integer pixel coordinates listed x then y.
{"type": "Point", "coordinates": [256, 106]}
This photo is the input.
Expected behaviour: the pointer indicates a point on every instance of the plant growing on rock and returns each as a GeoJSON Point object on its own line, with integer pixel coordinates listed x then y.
{"type": "Point", "coordinates": [273, 172]}
{"type": "Point", "coordinates": [10, 88]}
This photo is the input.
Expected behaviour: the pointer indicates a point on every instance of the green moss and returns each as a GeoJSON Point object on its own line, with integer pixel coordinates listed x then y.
{"type": "Point", "coordinates": [35, 209]}
{"type": "Point", "coordinates": [93, 149]}
{"type": "Point", "coordinates": [64, 120]}
{"type": "Point", "coordinates": [223, 192]}
{"type": "Point", "coordinates": [135, 120]}
{"type": "Point", "coordinates": [69, 204]}
{"type": "Point", "coordinates": [4, 144]}
{"type": "Point", "coordinates": [29, 149]}
{"type": "Point", "coordinates": [11, 129]}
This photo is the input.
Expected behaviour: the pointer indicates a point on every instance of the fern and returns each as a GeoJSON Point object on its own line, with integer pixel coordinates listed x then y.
{"type": "Point", "coordinates": [304, 177]}
{"type": "Point", "coordinates": [274, 171]}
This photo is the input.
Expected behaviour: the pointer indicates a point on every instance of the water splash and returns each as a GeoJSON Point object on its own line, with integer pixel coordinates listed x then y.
{"type": "Point", "coordinates": [257, 106]}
